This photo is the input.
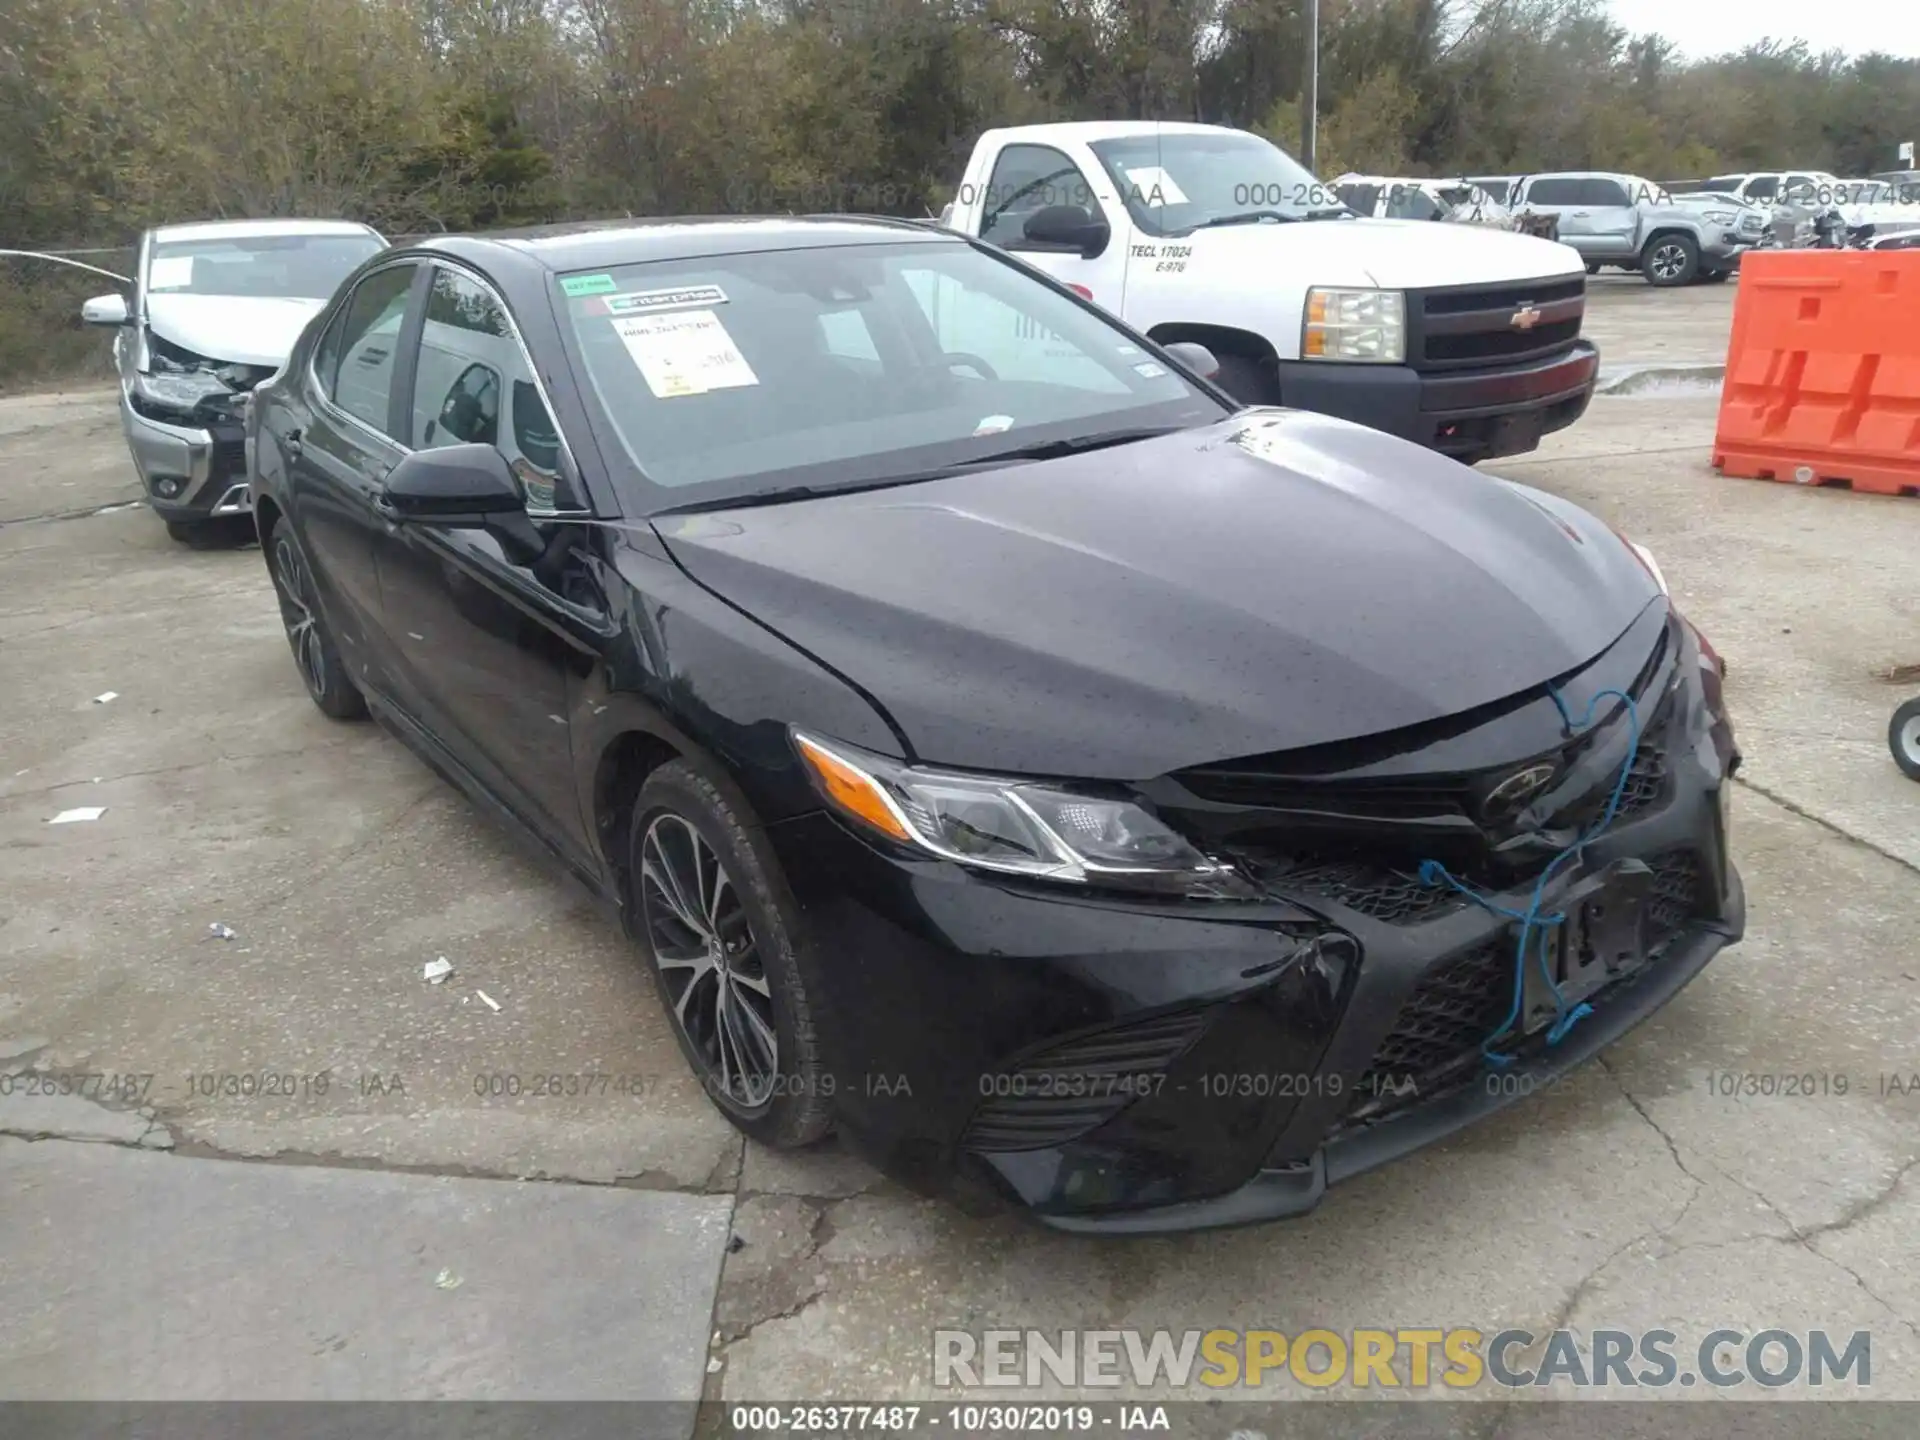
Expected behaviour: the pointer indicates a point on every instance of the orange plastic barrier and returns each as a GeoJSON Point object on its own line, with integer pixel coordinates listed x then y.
{"type": "Point", "coordinates": [1823, 371]}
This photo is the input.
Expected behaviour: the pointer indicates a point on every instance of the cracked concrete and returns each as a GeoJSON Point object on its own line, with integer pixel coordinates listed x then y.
{"type": "Point", "coordinates": [1644, 1192]}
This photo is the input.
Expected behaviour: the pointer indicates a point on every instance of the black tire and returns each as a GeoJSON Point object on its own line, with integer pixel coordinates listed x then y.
{"type": "Point", "coordinates": [315, 655]}
{"type": "Point", "coordinates": [1903, 738]}
{"type": "Point", "coordinates": [1670, 260]}
{"type": "Point", "coordinates": [1248, 380]}
{"type": "Point", "coordinates": [753, 949]}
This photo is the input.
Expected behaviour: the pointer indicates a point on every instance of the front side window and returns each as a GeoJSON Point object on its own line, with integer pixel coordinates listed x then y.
{"type": "Point", "coordinates": [739, 375]}
{"type": "Point", "coordinates": [1359, 198]}
{"type": "Point", "coordinates": [261, 267]}
{"type": "Point", "coordinates": [1765, 188]}
{"type": "Point", "coordinates": [1174, 181]}
{"type": "Point", "coordinates": [1410, 202]}
{"type": "Point", "coordinates": [355, 362]}
{"type": "Point", "coordinates": [1607, 194]}
{"type": "Point", "coordinates": [1027, 179]}
{"type": "Point", "coordinates": [473, 385]}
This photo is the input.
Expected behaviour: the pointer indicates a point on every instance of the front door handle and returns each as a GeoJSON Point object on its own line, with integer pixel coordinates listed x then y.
{"type": "Point", "coordinates": [384, 507]}
{"type": "Point", "coordinates": [290, 442]}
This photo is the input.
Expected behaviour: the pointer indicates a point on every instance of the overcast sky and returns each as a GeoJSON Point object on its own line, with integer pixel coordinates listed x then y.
{"type": "Point", "coordinates": [1708, 27]}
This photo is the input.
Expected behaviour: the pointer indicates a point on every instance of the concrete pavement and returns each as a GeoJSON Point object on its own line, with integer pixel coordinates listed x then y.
{"type": "Point", "coordinates": [1636, 1194]}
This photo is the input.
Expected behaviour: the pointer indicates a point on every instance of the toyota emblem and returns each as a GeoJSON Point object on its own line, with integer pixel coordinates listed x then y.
{"type": "Point", "coordinates": [1508, 797]}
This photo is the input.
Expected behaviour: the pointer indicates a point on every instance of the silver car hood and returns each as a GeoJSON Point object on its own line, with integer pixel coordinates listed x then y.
{"type": "Point", "coordinates": [239, 329]}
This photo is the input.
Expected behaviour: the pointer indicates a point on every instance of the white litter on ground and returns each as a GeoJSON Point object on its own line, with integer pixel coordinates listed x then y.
{"type": "Point", "coordinates": [222, 932]}
{"type": "Point", "coordinates": [492, 1004]}
{"type": "Point", "coordinates": [111, 695]}
{"type": "Point", "coordinates": [437, 970]}
{"type": "Point", "coordinates": [83, 812]}
{"type": "Point", "coordinates": [447, 1280]}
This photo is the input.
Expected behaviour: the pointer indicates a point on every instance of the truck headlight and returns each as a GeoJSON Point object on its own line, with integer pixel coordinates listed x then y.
{"type": "Point", "coordinates": [1355, 325]}
{"type": "Point", "coordinates": [1015, 827]}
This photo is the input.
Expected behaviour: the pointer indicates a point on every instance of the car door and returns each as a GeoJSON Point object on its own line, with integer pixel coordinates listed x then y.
{"type": "Point", "coordinates": [494, 626]}
{"type": "Point", "coordinates": [338, 463]}
{"type": "Point", "coordinates": [1612, 216]}
{"type": "Point", "coordinates": [1027, 179]}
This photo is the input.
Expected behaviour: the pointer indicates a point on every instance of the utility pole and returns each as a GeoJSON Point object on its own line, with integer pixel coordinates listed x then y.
{"type": "Point", "coordinates": [1310, 91]}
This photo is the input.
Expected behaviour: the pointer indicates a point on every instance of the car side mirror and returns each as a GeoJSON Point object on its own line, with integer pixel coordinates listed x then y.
{"type": "Point", "coordinates": [1195, 356]}
{"type": "Point", "coordinates": [1070, 227]}
{"type": "Point", "coordinates": [454, 482]}
{"type": "Point", "coordinates": [105, 310]}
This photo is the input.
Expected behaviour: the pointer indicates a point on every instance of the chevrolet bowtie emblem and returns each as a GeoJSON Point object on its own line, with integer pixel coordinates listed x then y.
{"type": "Point", "coordinates": [1525, 318]}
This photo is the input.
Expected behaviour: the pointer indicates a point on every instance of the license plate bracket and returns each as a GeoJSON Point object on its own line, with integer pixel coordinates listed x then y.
{"type": "Point", "coordinates": [1603, 939]}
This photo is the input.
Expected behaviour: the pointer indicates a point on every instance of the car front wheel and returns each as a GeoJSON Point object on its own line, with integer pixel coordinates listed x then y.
{"type": "Point", "coordinates": [314, 652]}
{"type": "Point", "coordinates": [723, 936]}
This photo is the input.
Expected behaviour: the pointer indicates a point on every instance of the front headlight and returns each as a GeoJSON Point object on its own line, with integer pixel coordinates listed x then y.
{"type": "Point", "coordinates": [1355, 325]}
{"type": "Point", "coordinates": [1653, 567]}
{"type": "Point", "coordinates": [175, 396]}
{"type": "Point", "coordinates": [1720, 217]}
{"type": "Point", "coordinates": [1014, 827]}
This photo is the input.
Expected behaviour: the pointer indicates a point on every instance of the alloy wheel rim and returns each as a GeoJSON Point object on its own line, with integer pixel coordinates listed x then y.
{"type": "Point", "coordinates": [1910, 739]}
{"type": "Point", "coordinates": [716, 978]}
{"type": "Point", "coordinates": [297, 614]}
{"type": "Point", "coordinates": [1668, 260]}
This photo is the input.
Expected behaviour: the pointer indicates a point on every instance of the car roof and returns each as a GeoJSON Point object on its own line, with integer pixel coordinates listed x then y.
{"type": "Point", "coordinates": [590, 244]}
{"type": "Point", "coordinates": [256, 229]}
{"type": "Point", "coordinates": [1087, 131]}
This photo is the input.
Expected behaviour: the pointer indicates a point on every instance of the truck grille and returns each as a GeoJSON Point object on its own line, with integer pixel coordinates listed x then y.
{"type": "Point", "coordinates": [1464, 326]}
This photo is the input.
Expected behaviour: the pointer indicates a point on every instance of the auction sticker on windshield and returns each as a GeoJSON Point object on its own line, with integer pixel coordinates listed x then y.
{"type": "Point", "coordinates": [684, 353]}
{"type": "Point", "coordinates": [170, 272]}
{"type": "Point", "coordinates": [1156, 186]}
{"type": "Point", "coordinates": [636, 302]}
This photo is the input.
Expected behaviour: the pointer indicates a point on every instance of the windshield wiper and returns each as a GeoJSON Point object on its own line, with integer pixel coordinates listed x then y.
{"type": "Point", "coordinates": [1072, 445]}
{"type": "Point", "coordinates": [1339, 214]}
{"type": "Point", "coordinates": [1245, 217]}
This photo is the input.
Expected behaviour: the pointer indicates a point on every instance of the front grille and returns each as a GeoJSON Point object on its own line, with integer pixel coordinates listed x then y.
{"type": "Point", "coordinates": [1473, 325]}
{"type": "Point", "coordinates": [1060, 1093]}
{"type": "Point", "coordinates": [1437, 1038]}
{"type": "Point", "coordinates": [1395, 897]}
{"type": "Point", "coordinates": [1502, 344]}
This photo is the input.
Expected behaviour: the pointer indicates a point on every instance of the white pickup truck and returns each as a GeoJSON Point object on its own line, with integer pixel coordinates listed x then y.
{"type": "Point", "coordinates": [1460, 338]}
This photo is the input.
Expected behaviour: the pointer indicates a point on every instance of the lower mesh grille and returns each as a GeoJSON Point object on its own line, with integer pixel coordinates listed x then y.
{"type": "Point", "coordinates": [1456, 1008]}
{"type": "Point", "coordinates": [1064, 1091]}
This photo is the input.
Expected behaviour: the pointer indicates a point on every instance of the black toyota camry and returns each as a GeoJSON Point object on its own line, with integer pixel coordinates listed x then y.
{"type": "Point", "coordinates": [1000, 747]}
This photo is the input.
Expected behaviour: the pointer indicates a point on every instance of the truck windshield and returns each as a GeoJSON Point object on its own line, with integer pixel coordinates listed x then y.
{"type": "Point", "coordinates": [734, 377]}
{"type": "Point", "coordinates": [1172, 181]}
{"type": "Point", "coordinates": [300, 267]}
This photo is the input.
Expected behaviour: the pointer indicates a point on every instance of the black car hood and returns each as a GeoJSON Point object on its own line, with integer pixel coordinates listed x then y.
{"type": "Point", "coordinates": [1278, 580]}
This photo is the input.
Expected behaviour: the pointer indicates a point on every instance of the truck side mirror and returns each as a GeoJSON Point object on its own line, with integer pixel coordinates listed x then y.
{"type": "Point", "coordinates": [1195, 356]}
{"type": "Point", "coordinates": [1068, 227]}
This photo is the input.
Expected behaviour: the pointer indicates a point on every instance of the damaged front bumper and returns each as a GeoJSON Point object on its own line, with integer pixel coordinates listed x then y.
{"type": "Point", "coordinates": [189, 471]}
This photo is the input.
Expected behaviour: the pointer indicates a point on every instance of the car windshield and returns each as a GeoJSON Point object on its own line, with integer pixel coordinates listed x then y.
{"type": "Point", "coordinates": [1173, 181]}
{"type": "Point", "coordinates": [734, 377]}
{"type": "Point", "coordinates": [303, 267]}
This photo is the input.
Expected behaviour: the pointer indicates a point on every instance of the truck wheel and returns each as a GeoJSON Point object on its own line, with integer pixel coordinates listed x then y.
{"type": "Point", "coordinates": [1671, 260]}
{"type": "Point", "coordinates": [1247, 380]}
